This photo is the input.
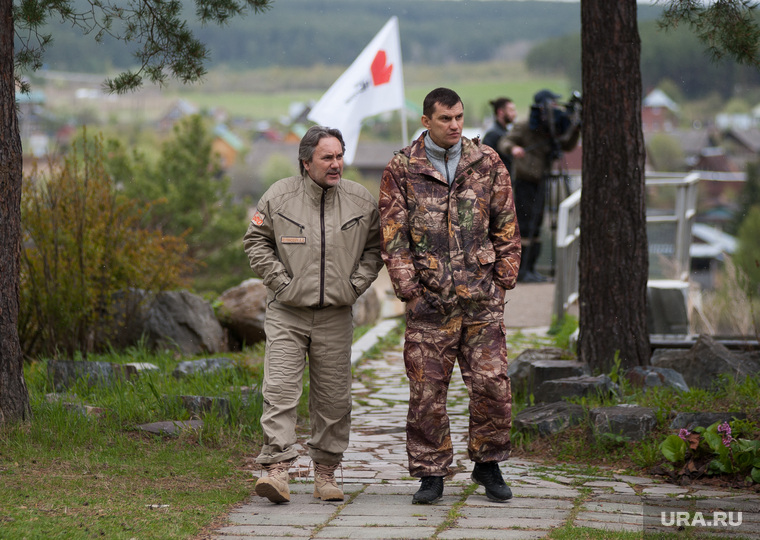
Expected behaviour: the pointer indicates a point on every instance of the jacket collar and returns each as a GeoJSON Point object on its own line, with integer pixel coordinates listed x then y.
{"type": "Point", "coordinates": [314, 191]}
{"type": "Point", "coordinates": [420, 164]}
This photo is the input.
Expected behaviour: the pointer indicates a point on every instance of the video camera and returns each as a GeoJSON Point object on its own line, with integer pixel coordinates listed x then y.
{"type": "Point", "coordinates": [575, 105]}
{"type": "Point", "coordinates": [556, 119]}
{"type": "Point", "coordinates": [569, 118]}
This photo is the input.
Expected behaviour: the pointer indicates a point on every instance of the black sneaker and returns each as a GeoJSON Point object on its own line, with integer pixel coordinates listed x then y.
{"type": "Point", "coordinates": [430, 491]}
{"type": "Point", "coordinates": [489, 476]}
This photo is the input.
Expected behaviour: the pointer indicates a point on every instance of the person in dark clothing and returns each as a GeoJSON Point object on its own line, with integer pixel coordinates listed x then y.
{"type": "Point", "coordinates": [504, 115]}
{"type": "Point", "coordinates": [547, 133]}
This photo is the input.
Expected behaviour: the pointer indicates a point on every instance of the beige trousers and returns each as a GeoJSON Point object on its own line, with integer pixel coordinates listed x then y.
{"type": "Point", "coordinates": [324, 336]}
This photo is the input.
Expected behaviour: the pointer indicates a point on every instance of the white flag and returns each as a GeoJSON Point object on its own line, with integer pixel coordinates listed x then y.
{"type": "Point", "coordinates": [373, 84]}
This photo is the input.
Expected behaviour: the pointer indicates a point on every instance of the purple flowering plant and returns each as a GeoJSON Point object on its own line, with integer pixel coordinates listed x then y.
{"type": "Point", "coordinates": [726, 454]}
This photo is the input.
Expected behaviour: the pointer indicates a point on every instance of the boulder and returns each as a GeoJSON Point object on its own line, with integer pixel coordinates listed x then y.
{"type": "Point", "coordinates": [203, 365]}
{"type": "Point", "coordinates": [125, 326]}
{"type": "Point", "coordinates": [366, 310]}
{"type": "Point", "coordinates": [242, 311]}
{"type": "Point", "coordinates": [703, 363]}
{"type": "Point", "coordinates": [65, 373]}
{"type": "Point", "coordinates": [549, 370]}
{"type": "Point", "coordinates": [185, 321]}
{"type": "Point", "coordinates": [80, 408]}
{"type": "Point", "coordinates": [575, 387]}
{"type": "Point", "coordinates": [171, 427]}
{"type": "Point", "coordinates": [549, 419]}
{"type": "Point", "coordinates": [703, 419]}
{"type": "Point", "coordinates": [647, 377]}
{"type": "Point", "coordinates": [631, 422]}
{"type": "Point", "coordinates": [519, 369]}
{"type": "Point", "coordinates": [198, 405]}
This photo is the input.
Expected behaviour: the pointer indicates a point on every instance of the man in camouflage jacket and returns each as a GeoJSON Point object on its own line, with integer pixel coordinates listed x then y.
{"type": "Point", "coordinates": [451, 244]}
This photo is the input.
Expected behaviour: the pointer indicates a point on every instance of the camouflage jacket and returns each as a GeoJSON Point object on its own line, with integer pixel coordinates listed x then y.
{"type": "Point", "coordinates": [449, 242]}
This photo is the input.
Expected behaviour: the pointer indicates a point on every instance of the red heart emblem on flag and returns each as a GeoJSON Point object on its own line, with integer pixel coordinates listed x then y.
{"type": "Point", "coordinates": [381, 73]}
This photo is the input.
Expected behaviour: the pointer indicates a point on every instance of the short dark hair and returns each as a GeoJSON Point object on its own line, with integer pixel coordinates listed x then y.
{"type": "Point", "coordinates": [310, 141]}
{"type": "Point", "coordinates": [499, 103]}
{"type": "Point", "coordinates": [444, 96]}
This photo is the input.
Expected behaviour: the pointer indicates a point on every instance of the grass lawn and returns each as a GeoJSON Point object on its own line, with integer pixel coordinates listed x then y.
{"type": "Point", "coordinates": [71, 475]}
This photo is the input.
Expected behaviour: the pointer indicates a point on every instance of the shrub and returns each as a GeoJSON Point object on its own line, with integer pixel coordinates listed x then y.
{"type": "Point", "coordinates": [82, 243]}
{"type": "Point", "coordinates": [187, 178]}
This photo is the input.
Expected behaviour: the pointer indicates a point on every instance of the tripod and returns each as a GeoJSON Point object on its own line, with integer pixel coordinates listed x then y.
{"type": "Point", "coordinates": [557, 182]}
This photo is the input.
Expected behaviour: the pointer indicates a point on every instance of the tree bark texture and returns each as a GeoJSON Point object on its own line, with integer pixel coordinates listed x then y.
{"type": "Point", "coordinates": [14, 398]}
{"type": "Point", "coordinates": [614, 261]}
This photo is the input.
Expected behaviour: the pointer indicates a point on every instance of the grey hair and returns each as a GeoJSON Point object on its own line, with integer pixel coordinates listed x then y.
{"type": "Point", "coordinates": [310, 141]}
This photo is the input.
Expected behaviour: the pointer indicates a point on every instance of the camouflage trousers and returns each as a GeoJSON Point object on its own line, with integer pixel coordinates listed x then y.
{"type": "Point", "coordinates": [476, 338]}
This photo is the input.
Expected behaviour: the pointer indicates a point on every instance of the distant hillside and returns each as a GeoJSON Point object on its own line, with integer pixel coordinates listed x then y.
{"type": "Point", "coordinates": [309, 32]}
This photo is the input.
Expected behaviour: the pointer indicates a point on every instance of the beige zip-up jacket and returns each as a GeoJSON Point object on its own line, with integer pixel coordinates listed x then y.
{"type": "Point", "coordinates": [314, 247]}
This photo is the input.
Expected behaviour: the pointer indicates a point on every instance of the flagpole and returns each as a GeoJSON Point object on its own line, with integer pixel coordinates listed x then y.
{"type": "Point", "coordinates": [372, 84]}
{"type": "Point", "coordinates": [404, 129]}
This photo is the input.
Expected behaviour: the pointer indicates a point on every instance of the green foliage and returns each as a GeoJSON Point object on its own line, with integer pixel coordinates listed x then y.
{"type": "Point", "coordinates": [737, 105]}
{"type": "Point", "coordinates": [277, 167]}
{"type": "Point", "coordinates": [674, 448]}
{"type": "Point", "coordinates": [665, 153]}
{"type": "Point", "coordinates": [672, 89]}
{"type": "Point", "coordinates": [617, 374]}
{"type": "Point", "coordinates": [167, 45]}
{"type": "Point", "coordinates": [726, 27]}
{"type": "Point", "coordinates": [82, 244]}
{"type": "Point", "coordinates": [674, 55]}
{"type": "Point", "coordinates": [646, 454]}
{"type": "Point", "coordinates": [563, 331]}
{"type": "Point", "coordinates": [195, 201]}
{"type": "Point", "coordinates": [749, 195]}
{"type": "Point", "coordinates": [747, 256]}
{"type": "Point", "coordinates": [730, 454]}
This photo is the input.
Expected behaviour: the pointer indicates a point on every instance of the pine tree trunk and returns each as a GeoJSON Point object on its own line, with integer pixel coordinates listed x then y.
{"type": "Point", "coordinates": [614, 262]}
{"type": "Point", "coordinates": [14, 398]}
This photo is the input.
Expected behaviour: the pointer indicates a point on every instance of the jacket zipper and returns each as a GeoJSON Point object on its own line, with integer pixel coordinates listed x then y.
{"type": "Point", "coordinates": [446, 166]}
{"type": "Point", "coordinates": [286, 218]}
{"type": "Point", "coordinates": [323, 250]}
{"type": "Point", "coordinates": [350, 223]}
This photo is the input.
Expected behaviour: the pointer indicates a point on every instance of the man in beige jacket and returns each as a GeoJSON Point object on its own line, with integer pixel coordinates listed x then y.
{"type": "Point", "coordinates": [315, 242]}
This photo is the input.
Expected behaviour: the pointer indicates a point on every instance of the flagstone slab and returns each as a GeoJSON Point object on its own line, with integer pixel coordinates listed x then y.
{"type": "Point", "coordinates": [521, 503]}
{"type": "Point", "coordinates": [262, 531]}
{"type": "Point", "coordinates": [608, 526]}
{"type": "Point", "coordinates": [508, 523]}
{"type": "Point", "coordinates": [387, 533]}
{"type": "Point", "coordinates": [490, 534]}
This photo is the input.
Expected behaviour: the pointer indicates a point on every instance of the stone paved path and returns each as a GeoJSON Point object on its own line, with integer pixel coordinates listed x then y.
{"type": "Point", "coordinates": [379, 490]}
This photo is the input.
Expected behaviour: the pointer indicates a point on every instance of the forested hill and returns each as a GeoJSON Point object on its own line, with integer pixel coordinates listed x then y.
{"type": "Point", "coordinates": [308, 32]}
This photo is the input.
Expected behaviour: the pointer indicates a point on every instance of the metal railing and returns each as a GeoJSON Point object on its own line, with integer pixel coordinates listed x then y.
{"type": "Point", "coordinates": [670, 226]}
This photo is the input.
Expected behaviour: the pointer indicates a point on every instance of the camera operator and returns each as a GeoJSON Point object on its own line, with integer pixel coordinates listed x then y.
{"type": "Point", "coordinates": [535, 144]}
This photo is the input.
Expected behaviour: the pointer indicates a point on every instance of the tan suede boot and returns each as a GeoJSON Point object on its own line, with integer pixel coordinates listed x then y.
{"type": "Point", "coordinates": [274, 486]}
{"type": "Point", "coordinates": [325, 486]}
